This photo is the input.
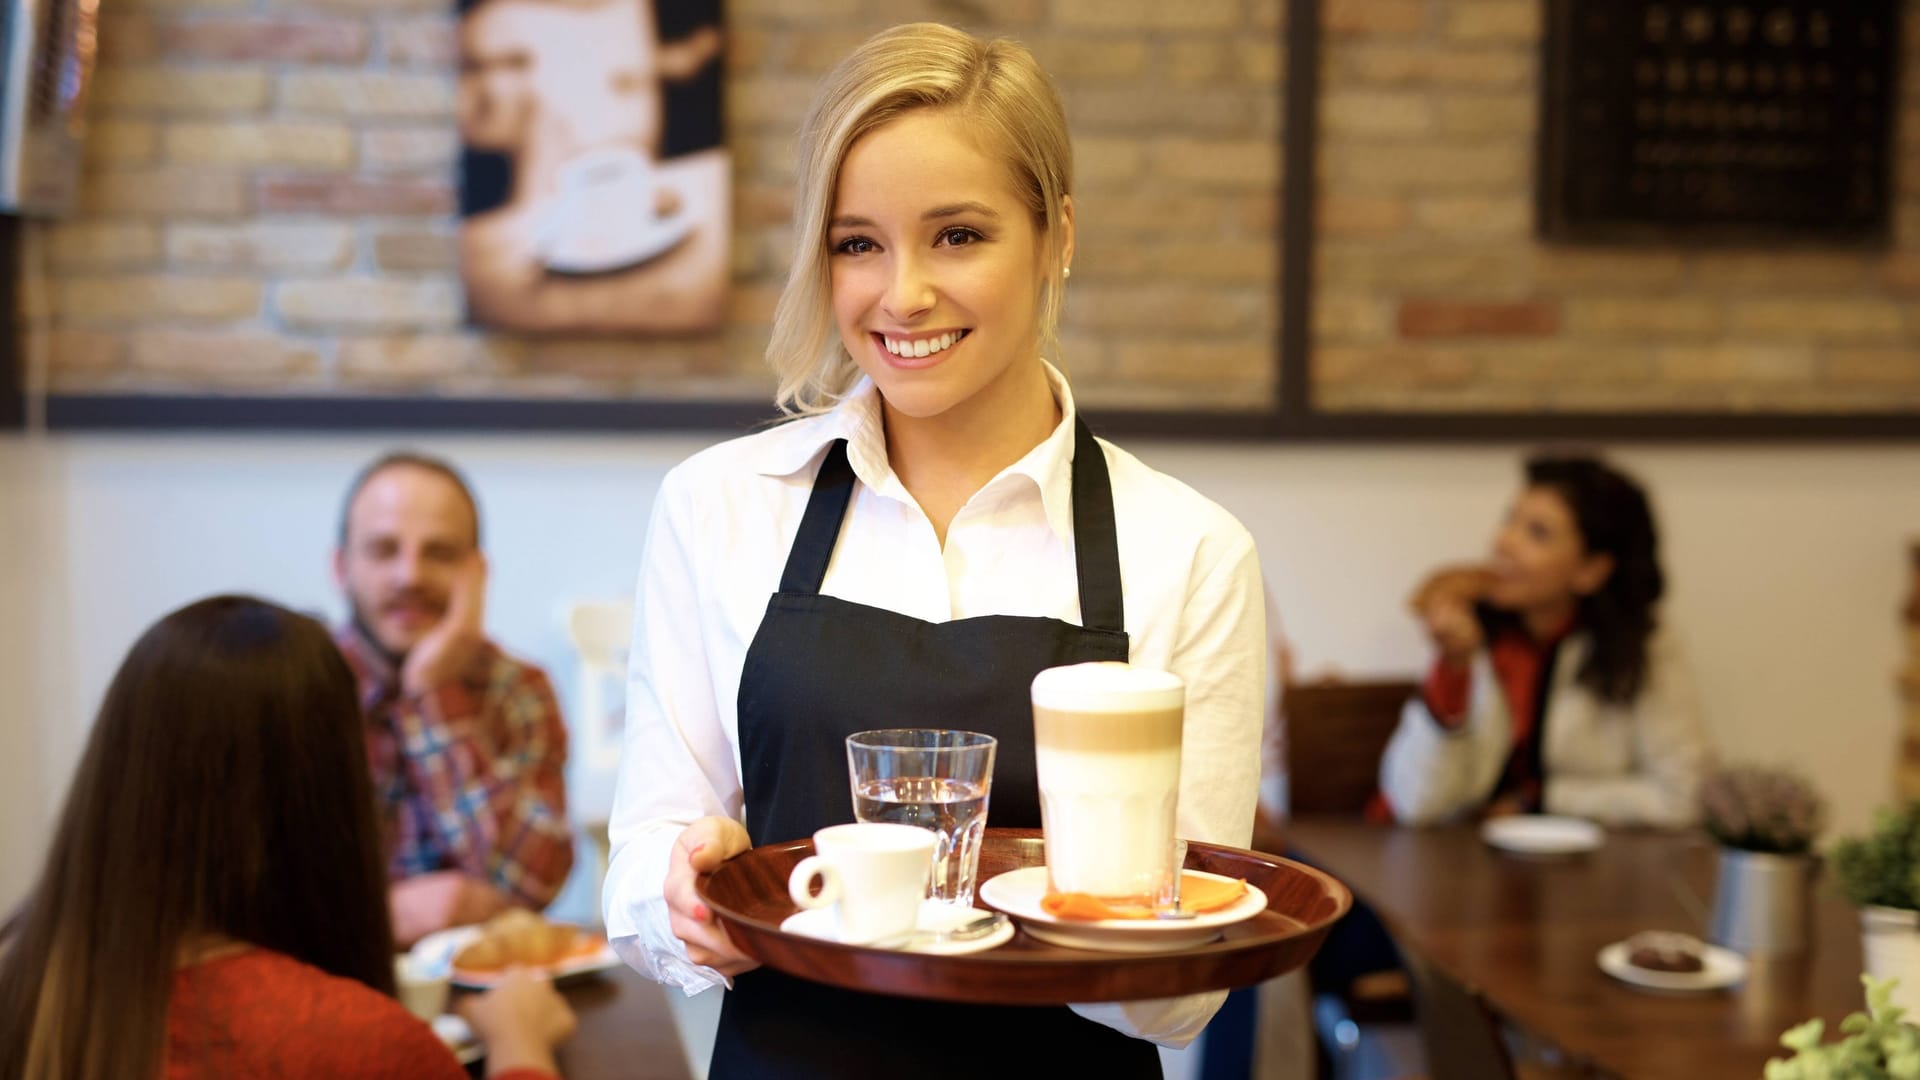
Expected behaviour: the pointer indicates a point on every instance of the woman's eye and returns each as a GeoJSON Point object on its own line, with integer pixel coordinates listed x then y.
{"type": "Point", "coordinates": [853, 245]}
{"type": "Point", "coordinates": [959, 237]}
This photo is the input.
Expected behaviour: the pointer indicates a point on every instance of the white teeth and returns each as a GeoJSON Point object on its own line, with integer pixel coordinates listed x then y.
{"type": "Point", "coordinates": [924, 346]}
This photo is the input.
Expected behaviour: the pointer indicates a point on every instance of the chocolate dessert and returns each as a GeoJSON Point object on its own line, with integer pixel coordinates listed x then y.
{"type": "Point", "coordinates": [1671, 953]}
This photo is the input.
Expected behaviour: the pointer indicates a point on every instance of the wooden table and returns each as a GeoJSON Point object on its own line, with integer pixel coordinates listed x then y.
{"type": "Point", "coordinates": [626, 1031]}
{"type": "Point", "coordinates": [1524, 933]}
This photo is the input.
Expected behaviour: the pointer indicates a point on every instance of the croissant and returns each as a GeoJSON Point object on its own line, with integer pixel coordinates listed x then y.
{"type": "Point", "coordinates": [1466, 583]}
{"type": "Point", "coordinates": [518, 938]}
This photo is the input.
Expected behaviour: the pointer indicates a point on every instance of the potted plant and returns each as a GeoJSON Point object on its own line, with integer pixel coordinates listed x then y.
{"type": "Point", "coordinates": [1876, 1044]}
{"type": "Point", "coordinates": [1880, 872]}
{"type": "Point", "coordinates": [1765, 820]}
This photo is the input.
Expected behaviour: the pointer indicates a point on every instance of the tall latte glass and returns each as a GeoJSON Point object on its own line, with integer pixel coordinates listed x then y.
{"type": "Point", "coordinates": [1106, 740]}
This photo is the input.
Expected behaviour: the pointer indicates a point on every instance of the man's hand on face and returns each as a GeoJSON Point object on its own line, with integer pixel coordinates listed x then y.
{"type": "Point", "coordinates": [446, 650]}
{"type": "Point", "coordinates": [427, 903]}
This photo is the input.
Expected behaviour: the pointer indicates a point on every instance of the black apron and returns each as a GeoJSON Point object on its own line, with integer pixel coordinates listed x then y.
{"type": "Point", "coordinates": [821, 668]}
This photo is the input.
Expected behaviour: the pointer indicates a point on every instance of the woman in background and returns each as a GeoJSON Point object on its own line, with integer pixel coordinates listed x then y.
{"type": "Point", "coordinates": [214, 900]}
{"type": "Point", "coordinates": [1554, 689]}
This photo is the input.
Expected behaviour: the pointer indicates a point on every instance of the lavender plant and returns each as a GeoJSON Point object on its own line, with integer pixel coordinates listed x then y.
{"type": "Point", "coordinates": [1756, 808]}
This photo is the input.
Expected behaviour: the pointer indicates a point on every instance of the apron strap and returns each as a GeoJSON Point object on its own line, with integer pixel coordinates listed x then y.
{"type": "Point", "coordinates": [1096, 545]}
{"type": "Point", "coordinates": [820, 526]}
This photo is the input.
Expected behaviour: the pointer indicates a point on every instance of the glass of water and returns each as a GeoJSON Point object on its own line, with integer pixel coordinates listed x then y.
{"type": "Point", "coordinates": [936, 779]}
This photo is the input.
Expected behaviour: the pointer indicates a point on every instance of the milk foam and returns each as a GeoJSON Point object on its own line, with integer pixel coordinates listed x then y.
{"type": "Point", "coordinates": [1108, 686]}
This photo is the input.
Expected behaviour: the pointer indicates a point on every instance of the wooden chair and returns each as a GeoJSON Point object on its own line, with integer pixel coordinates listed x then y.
{"type": "Point", "coordinates": [1335, 733]}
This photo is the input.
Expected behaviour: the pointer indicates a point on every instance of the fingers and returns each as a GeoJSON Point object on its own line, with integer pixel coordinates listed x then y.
{"type": "Point", "coordinates": [702, 846]}
{"type": "Point", "coordinates": [476, 589]}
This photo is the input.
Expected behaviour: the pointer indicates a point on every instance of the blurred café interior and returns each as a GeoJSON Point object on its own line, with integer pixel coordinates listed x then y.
{"type": "Point", "coordinates": [1344, 267]}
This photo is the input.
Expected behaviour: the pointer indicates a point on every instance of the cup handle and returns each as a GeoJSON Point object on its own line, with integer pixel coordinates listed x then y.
{"type": "Point", "coordinates": [800, 883]}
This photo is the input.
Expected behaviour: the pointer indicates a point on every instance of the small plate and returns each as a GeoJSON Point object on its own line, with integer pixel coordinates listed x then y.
{"type": "Point", "coordinates": [934, 916]}
{"type": "Point", "coordinates": [1542, 834]}
{"type": "Point", "coordinates": [1720, 969]}
{"type": "Point", "coordinates": [459, 1038]}
{"type": "Point", "coordinates": [1019, 892]}
{"type": "Point", "coordinates": [436, 952]}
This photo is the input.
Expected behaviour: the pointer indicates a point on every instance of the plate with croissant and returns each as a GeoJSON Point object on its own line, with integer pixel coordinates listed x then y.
{"type": "Point", "coordinates": [477, 955]}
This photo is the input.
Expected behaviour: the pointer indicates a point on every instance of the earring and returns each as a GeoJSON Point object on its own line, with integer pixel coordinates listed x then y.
{"type": "Point", "coordinates": [1066, 272]}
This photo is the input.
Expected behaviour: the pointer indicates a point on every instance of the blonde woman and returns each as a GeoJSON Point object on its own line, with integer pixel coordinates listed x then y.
{"type": "Point", "coordinates": [933, 527]}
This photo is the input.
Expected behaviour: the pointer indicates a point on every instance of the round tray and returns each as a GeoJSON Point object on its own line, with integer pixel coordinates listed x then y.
{"type": "Point", "coordinates": [748, 894]}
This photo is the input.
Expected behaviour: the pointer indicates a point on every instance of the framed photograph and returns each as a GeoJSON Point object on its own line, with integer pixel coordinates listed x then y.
{"type": "Point", "coordinates": [595, 188]}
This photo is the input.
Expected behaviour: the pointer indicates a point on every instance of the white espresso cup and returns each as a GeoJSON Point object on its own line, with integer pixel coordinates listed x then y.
{"type": "Point", "coordinates": [1106, 742]}
{"type": "Point", "coordinates": [873, 875]}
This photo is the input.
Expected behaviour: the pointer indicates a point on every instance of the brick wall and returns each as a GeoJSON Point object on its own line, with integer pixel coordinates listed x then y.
{"type": "Point", "coordinates": [1431, 292]}
{"type": "Point", "coordinates": [269, 193]}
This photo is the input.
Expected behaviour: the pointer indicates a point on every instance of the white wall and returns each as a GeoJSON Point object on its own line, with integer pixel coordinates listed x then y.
{"type": "Point", "coordinates": [1789, 567]}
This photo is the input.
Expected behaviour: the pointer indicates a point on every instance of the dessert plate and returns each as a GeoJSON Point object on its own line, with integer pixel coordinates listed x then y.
{"type": "Point", "coordinates": [1019, 892]}
{"type": "Point", "coordinates": [1720, 968]}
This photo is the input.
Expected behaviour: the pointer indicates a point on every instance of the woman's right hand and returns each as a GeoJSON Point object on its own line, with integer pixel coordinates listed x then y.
{"type": "Point", "coordinates": [520, 1021]}
{"type": "Point", "coordinates": [1455, 630]}
{"type": "Point", "coordinates": [702, 846]}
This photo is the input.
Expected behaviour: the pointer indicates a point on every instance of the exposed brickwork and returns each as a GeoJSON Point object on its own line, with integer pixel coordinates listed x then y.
{"type": "Point", "coordinates": [1426, 167]}
{"type": "Point", "coordinates": [269, 203]}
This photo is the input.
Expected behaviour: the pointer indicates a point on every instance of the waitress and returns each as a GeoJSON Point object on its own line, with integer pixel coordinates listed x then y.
{"type": "Point", "coordinates": [934, 527]}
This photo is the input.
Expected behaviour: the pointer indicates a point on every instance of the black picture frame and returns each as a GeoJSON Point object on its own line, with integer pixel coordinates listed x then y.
{"type": "Point", "coordinates": [13, 391]}
{"type": "Point", "coordinates": [1292, 418]}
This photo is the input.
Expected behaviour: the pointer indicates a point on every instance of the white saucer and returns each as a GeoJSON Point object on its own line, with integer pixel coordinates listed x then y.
{"type": "Point", "coordinates": [1541, 834]}
{"type": "Point", "coordinates": [934, 916]}
{"type": "Point", "coordinates": [1019, 892]}
{"type": "Point", "coordinates": [639, 242]}
{"type": "Point", "coordinates": [1720, 968]}
{"type": "Point", "coordinates": [459, 1038]}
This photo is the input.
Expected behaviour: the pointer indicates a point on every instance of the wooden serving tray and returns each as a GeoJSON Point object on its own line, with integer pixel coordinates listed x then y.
{"type": "Point", "coordinates": [748, 894]}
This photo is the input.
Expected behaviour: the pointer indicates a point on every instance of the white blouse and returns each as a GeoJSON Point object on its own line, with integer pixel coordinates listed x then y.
{"type": "Point", "coordinates": [716, 546]}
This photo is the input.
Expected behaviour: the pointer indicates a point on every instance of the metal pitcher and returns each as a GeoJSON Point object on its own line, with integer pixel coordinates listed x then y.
{"type": "Point", "coordinates": [1763, 903]}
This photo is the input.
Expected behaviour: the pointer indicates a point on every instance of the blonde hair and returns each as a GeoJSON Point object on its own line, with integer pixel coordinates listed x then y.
{"type": "Point", "coordinates": [997, 86]}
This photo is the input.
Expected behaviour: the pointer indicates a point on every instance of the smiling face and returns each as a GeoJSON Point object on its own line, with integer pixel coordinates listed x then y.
{"type": "Point", "coordinates": [1540, 559]}
{"type": "Point", "coordinates": [936, 266]}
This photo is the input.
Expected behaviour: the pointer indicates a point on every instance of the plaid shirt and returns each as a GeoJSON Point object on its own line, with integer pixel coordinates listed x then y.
{"type": "Point", "coordinates": [471, 775]}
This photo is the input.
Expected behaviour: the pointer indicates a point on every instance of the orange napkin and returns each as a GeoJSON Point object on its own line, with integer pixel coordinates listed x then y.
{"type": "Point", "coordinates": [1197, 895]}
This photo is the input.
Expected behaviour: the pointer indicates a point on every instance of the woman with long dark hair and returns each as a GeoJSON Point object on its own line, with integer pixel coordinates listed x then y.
{"type": "Point", "coordinates": [1554, 688]}
{"type": "Point", "coordinates": [214, 900]}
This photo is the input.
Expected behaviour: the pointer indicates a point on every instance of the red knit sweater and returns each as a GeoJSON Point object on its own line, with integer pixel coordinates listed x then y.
{"type": "Point", "coordinates": [260, 1014]}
